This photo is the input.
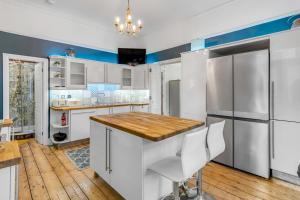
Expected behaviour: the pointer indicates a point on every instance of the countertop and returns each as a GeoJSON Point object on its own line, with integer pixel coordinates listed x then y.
{"type": "Point", "coordinates": [66, 108]}
{"type": "Point", "coordinates": [11, 154]}
{"type": "Point", "coordinates": [6, 123]}
{"type": "Point", "coordinates": [148, 126]}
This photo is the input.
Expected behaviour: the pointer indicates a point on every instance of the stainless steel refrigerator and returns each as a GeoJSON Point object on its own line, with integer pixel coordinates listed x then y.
{"type": "Point", "coordinates": [238, 92]}
{"type": "Point", "coordinates": [174, 98]}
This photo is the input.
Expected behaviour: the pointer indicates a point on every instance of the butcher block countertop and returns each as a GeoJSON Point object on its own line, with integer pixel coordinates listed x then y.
{"type": "Point", "coordinates": [66, 108]}
{"type": "Point", "coordinates": [148, 126]}
{"type": "Point", "coordinates": [10, 155]}
{"type": "Point", "coordinates": [6, 123]}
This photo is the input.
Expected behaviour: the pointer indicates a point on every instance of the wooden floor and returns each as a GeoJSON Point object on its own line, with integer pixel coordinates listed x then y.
{"type": "Point", "coordinates": [47, 173]}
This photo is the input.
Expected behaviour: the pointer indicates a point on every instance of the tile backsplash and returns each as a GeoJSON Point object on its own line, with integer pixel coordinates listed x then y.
{"type": "Point", "coordinates": [98, 94]}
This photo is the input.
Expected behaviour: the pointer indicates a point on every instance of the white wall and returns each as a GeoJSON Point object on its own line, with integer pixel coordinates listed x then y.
{"type": "Point", "coordinates": [40, 23]}
{"type": "Point", "coordinates": [232, 16]}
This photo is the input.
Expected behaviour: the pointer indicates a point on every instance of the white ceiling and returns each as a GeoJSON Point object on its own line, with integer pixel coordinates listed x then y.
{"type": "Point", "coordinates": [153, 13]}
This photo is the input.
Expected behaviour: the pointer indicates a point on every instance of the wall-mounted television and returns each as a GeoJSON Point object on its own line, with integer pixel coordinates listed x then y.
{"type": "Point", "coordinates": [131, 56]}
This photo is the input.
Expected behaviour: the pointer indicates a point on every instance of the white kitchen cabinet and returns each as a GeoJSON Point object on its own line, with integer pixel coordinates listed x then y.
{"type": "Point", "coordinates": [285, 147]}
{"type": "Point", "coordinates": [99, 161]}
{"type": "Point", "coordinates": [126, 77]}
{"type": "Point", "coordinates": [76, 74]}
{"type": "Point", "coordinates": [193, 85]}
{"type": "Point", "coordinates": [140, 77]}
{"type": "Point", "coordinates": [80, 123]}
{"type": "Point", "coordinates": [117, 157]}
{"type": "Point", "coordinates": [113, 74]}
{"type": "Point", "coordinates": [120, 109]}
{"type": "Point", "coordinates": [140, 108]}
{"type": "Point", "coordinates": [95, 72]}
{"type": "Point", "coordinates": [9, 183]}
{"type": "Point", "coordinates": [155, 88]}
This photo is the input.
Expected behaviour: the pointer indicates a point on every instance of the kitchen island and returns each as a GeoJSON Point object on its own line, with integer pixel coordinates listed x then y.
{"type": "Point", "coordinates": [123, 146]}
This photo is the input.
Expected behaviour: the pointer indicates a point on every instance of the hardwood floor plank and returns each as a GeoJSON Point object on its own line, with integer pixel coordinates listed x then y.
{"type": "Point", "coordinates": [87, 186]}
{"type": "Point", "coordinates": [36, 183]}
{"type": "Point", "coordinates": [24, 189]}
{"type": "Point", "coordinates": [71, 187]}
{"type": "Point", "coordinates": [102, 185]}
{"type": "Point", "coordinates": [258, 183]}
{"type": "Point", "coordinates": [54, 186]}
{"type": "Point", "coordinates": [47, 173]}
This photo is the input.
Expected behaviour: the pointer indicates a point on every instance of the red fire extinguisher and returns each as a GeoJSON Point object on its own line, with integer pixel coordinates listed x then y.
{"type": "Point", "coordinates": [63, 119]}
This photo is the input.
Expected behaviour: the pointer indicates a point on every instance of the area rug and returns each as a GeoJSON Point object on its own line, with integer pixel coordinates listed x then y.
{"type": "Point", "coordinates": [80, 157]}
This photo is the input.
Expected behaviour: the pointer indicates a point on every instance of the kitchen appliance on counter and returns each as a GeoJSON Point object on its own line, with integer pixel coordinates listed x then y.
{"type": "Point", "coordinates": [238, 92]}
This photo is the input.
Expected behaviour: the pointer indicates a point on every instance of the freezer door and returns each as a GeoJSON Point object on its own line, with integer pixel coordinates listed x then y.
{"type": "Point", "coordinates": [251, 147]}
{"type": "Point", "coordinates": [226, 157]}
{"type": "Point", "coordinates": [285, 148]}
{"type": "Point", "coordinates": [220, 86]}
{"type": "Point", "coordinates": [285, 76]}
{"type": "Point", "coordinates": [251, 85]}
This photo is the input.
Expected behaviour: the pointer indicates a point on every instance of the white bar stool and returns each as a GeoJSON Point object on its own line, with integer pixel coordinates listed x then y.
{"type": "Point", "coordinates": [215, 146]}
{"type": "Point", "coordinates": [193, 157]}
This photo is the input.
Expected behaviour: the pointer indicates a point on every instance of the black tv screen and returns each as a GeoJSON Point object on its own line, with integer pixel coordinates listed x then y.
{"type": "Point", "coordinates": [131, 56]}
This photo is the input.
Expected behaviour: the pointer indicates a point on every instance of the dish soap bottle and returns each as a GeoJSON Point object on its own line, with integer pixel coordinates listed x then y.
{"type": "Point", "coordinates": [63, 119]}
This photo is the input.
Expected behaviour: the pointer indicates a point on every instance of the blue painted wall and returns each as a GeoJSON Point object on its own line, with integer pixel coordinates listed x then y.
{"type": "Point", "coordinates": [28, 46]}
{"type": "Point", "coordinates": [267, 28]}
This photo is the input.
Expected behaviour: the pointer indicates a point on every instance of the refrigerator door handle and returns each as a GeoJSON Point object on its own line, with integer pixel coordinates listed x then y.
{"type": "Point", "coordinates": [272, 98]}
{"type": "Point", "coordinates": [272, 140]}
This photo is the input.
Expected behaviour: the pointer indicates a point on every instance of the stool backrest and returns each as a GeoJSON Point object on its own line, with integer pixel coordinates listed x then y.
{"type": "Point", "coordinates": [215, 139]}
{"type": "Point", "coordinates": [193, 152]}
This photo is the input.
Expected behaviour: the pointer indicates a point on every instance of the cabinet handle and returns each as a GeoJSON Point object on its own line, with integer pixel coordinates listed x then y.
{"type": "Point", "coordinates": [272, 98]}
{"type": "Point", "coordinates": [106, 168]}
{"type": "Point", "coordinates": [273, 139]}
{"type": "Point", "coordinates": [109, 150]}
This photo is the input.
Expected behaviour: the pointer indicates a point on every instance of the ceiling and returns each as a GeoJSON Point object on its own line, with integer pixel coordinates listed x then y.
{"type": "Point", "coordinates": [153, 13]}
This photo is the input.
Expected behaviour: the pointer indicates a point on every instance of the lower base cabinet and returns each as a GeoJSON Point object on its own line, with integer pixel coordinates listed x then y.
{"type": "Point", "coordinates": [285, 147]}
{"type": "Point", "coordinates": [80, 124]}
{"type": "Point", "coordinates": [9, 183]}
{"type": "Point", "coordinates": [114, 157]}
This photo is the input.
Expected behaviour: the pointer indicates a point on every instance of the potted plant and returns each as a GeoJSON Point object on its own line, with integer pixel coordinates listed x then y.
{"type": "Point", "coordinates": [57, 63]}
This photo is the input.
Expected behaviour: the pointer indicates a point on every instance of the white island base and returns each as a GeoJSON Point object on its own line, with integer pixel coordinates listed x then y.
{"type": "Point", "coordinates": [122, 160]}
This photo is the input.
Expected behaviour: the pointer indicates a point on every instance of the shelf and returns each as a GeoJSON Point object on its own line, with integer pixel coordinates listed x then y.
{"type": "Point", "coordinates": [78, 74]}
{"type": "Point", "coordinates": [58, 126]}
{"type": "Point", "coordinates": [58, 78]}
{"type": "Point", "coordinates": [61, 142]}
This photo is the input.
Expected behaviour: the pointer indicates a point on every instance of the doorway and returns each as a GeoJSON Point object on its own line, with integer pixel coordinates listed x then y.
{"type": "Point", "coordinates": [25, 95]}
{"type": "Point", "coordinates": [171, 76]}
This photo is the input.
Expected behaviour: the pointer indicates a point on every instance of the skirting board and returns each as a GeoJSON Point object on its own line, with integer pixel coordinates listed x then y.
{"type": "Point", "coordinates": [286, 177]}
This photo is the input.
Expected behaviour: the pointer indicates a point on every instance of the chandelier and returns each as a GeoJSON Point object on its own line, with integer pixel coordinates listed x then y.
{"type": "Point", "coordinates": [128, 27]}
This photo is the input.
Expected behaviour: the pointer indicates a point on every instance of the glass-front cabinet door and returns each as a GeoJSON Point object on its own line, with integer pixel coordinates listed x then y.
{"type": "Point", "coordinates": [76, 74]}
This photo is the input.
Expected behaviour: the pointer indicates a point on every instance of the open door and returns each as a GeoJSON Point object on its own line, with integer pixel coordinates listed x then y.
{"type": "Point", "coordinates": [38, 87]}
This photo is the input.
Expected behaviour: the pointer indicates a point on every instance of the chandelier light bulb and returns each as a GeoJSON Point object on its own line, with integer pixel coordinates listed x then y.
{"type": "Point", "coordinates": [139, 22]}
{"type": "Point", "coordinates": [121, 27]}
{"type": "Point", "coordinates": [128, 26]}
{"type": "Point", "coordinates": [117, 20]}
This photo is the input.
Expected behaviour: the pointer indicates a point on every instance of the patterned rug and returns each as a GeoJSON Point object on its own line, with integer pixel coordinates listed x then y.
{"type": "Point", "coordinates": [80, 157]}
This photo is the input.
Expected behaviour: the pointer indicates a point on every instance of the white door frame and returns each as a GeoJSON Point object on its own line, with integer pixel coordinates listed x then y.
{"type": "Point", "coordinates": [44, 61]}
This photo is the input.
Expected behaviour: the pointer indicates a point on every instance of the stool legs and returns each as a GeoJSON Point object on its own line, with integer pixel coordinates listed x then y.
{"type": "Point", "coordinates": [176, 190]}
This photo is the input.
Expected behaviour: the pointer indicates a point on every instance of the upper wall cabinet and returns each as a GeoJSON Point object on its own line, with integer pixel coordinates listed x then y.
{"type": "Point", "coordinates": [76, 75]}
{"type": "Point", "coordinates": [126, 77]}
{"type": "Point", "coordinates": [113, 74]}
{"type": "Point", "coordinates": [95, 72]}
{"type": "Point", "coordinates": [57, 73]}
{"type": "Point", "coordinates": [140, 77]}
